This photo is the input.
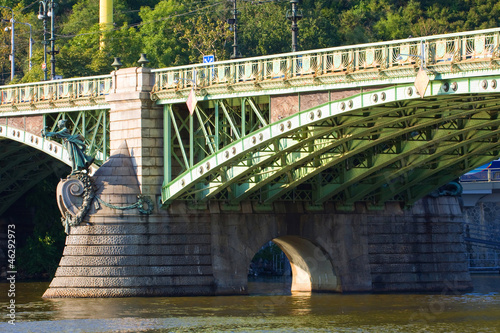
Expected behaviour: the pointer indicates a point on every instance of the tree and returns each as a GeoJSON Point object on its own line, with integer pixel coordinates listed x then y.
{"type": "Point", "coordinates": [204, 35]}
{"type": "Point", "coordinates": [160, 40]}
{"type": "Point", "coordinates": [82, 53]}
{"type": "Point", "coordinates": [263, 29]}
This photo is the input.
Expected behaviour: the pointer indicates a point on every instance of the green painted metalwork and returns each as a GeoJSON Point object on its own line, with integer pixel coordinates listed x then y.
{"type": "Point", "coordinates": [92, 125]}
{"type": "Point", "coordinates": [349, 150]}
{"type": "Point", "coordinates": [55, 96]}
{"type": "Point", "coordinates": [15, 180]}
{"type": "Point", "coordinates": [74, 144]}
{"type": "Point", "coordinates": [51, 148]}
{"type": "Point", "coordinates": [27, 158]}
{"type": "Point", "coordinates": [378, 146]}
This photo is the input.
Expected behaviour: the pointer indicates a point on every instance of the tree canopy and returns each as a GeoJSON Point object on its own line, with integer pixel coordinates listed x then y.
{"type": "Point", "coordinates": [174, 32]}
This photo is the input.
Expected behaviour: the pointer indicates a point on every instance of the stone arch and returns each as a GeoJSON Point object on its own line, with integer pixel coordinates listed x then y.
{"type": "Point", "coordinates": [312, 270]}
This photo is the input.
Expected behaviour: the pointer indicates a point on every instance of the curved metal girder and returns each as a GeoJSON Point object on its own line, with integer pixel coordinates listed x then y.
{"type": "Point", "coordinates": [409, 148]}
{"type": "Point", "coordinates": [444, 173]}
{"type": "Point", "coordinates": [26, 158]}
{"type": "Point", "coordinates": [366, 133]}
{"type": "Point", "coordinates": [322, 130]}
{"type": "Point", "coordinates": [51, 148]}
{"type": "Point", "coordinates": [358, 144]}
{"type": "Point", "coordinates": [21, 168]}
{"type": "Point", "coordinates": [90, 124]}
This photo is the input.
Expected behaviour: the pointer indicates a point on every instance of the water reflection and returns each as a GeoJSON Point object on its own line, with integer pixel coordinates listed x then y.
{"type": "Point", "coordinates": [282, 312]}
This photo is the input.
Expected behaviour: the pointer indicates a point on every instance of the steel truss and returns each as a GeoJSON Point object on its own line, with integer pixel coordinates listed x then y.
{"type": "Point", "coordinates": [21, 168]}
{"type": "Point", "coordinates": [385, 145]}
{"type": "Point", "coordinates": [93, 125]}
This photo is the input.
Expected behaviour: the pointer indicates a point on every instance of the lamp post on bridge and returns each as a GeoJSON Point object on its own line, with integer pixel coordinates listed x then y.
{"type": "Point", "coordinates": [422, 80]}
{"type": "Point", "coordinates": [13, 44]}
{"type": "Point", "coordinates": [234, 22]}
{"type": "Point", "coordinates": [30, 44]}
{"type": "Point", "coordinates": [421, 56]}
{"type": "Point", "coordinates": [46, 11]}
{"type": "Point", "coordinates": [294, 15]}
{"type": "Point", "coordinates": [30, 51]}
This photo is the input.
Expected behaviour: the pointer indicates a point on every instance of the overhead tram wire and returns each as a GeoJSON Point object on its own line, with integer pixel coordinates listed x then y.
{"type": "Point", "coordinates": [31, 5]}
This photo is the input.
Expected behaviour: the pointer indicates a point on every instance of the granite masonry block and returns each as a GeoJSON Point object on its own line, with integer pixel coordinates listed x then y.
{"type": "Point", "coordinates": [136, 260]}
{"type": "Point", "coordinates": [130, 292]}
{"type": "Point", "coordinates": [418, 258]}
{"type": "Point", "coordinates": [122, 250]}
{"type": "Point", "coordinates": [132, 281]}
{"type": "Point", "coordinates": [150, 239]}
{"type": "Point", "coordinates": [415, 248]}
{"type": "Point", "coordinates": [418, 267]}
{"type": "Point", "coordinates": [412, 238]}
{"type": "Point", "coordinates": [135, 271]}
{"type": "Point", "coordinates": [419, 277]}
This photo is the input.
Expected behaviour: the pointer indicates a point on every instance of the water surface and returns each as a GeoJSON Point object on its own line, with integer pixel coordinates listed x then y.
{"type": "Point", "coordinates": [270, 308]}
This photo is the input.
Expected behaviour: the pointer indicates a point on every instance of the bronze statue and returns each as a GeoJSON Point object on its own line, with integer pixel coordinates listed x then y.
{"type": "Point", "coordinates": [74, 144]}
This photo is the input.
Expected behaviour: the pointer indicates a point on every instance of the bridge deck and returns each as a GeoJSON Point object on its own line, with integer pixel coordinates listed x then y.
{"type": "Point", "coordinates": [232, 148]}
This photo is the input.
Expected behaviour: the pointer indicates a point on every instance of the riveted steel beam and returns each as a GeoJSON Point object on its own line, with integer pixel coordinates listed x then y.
{"type": "Point", "coordinates": [364, 137]}
{"type": "Point", "coordinates": [479, 153]}
{"type": "Point", "coordinates": [355, 175]}
{"type": "Point", "coordinates": [361, 139]}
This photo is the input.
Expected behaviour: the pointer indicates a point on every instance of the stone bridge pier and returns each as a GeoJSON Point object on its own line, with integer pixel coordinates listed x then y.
{"type": "Point", "coordinates": [185, 250]}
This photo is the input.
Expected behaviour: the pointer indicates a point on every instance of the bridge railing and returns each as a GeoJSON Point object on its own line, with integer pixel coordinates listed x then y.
{"type": "Point", "coordinates": [51, 91]}
{"type": "Point", "coordinates": [487, 175]}
{"type": "Point", "coordinates": [434, 50]}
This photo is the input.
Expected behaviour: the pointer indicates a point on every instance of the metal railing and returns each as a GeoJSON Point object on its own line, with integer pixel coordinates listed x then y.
{"type": "Point", "coordinates": [487, 175]}
{"type": "Point", "coordinates": [52, 91]}
{"type": "Point", "coordinates": [391, 57]}
{"type": "Point", "coordinates": [483, 246]}
{"type": "Point", "coordinates": [431, 51]}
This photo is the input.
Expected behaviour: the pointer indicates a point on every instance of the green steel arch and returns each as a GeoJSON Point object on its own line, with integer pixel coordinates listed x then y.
{"type": "Point", "coordinates": [49, 147]}
{"type": "Point", "coordinates": [21, 167]}
{"type": "Point", "coordinates": [378, 146]}
{"type": "Point", "coordinates": [27, 158]}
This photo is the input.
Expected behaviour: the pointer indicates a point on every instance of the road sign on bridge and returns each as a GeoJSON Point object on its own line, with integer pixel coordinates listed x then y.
{"type": "Point", "coordinates": [208, 58]}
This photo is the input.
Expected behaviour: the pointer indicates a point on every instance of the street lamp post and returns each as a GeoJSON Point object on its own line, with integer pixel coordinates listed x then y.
{"type": "Point", "coordinates": [421, 56]}
{"type": "Point", "coordinates": [30, 51]}
{"type": "Point", "coordinates": [295, 15]}
{"type": "Point", "coordinates": [13, 44]}
{"type": "Point", "coordinates": [31, 43]}
{"type": "Point", "coordinates": [234, 23]}
{"type": "Point", "coordinates": [47, 10]}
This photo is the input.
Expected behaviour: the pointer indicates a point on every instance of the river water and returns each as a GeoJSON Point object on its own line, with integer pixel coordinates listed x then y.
{"type": "Point", "coordinates": [270, 308]}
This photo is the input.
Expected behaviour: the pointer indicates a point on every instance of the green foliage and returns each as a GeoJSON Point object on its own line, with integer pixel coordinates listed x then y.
{"type": "Point", "coordinates": [263, 29]}
{"type": "Point", "coordinates": [41, 254]}
{"type": "Point", "coordinates": [267, 252]}
{"type": "Point", "coordinates": [204, 35]}
{"type": "Point", "coordinates": [160, 40]}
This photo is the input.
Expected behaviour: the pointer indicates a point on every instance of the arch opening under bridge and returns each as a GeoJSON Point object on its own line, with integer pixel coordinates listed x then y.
{"type": "Point", "coordinates": [311, 267]}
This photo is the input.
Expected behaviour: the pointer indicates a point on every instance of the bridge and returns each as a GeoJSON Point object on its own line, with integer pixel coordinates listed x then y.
{"type": "Point", "coordinates": [330, 153]}
{"type": "Point", "coordinates": [482, 231]}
